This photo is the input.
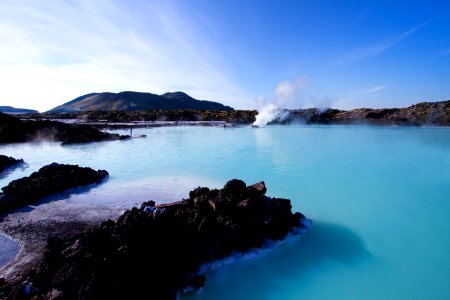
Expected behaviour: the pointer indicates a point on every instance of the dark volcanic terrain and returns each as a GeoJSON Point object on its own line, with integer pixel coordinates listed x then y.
{"type": "Point", "coordinates": [155, 251]}
{"type": "Point", "coordinates": [8, 162]}
{"type": "Point", "coordinates": [14, 130]}
{"type": "Point", "coordinates": [50, 179]}
{"type": "Point", "coordinates": [425, 113]}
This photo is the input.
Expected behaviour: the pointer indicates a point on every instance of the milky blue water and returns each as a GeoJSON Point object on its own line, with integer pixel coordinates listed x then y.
{"type": "Point", "coordinates": [379, 198]}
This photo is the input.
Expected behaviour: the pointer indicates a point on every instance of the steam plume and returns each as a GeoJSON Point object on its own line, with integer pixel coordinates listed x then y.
{"type": "Point", "coordinates": [294, 93]}
{"type": "Point", "coordinates": [285, 92]}
{"type": "Point", "coordinates": [267, 114]}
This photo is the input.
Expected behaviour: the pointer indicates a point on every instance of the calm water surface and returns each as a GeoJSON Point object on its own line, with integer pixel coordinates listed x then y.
{"type": "Point", "coordinates": [379, 198]}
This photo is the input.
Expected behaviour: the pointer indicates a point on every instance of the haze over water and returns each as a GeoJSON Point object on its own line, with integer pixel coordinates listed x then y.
{"type": "Point", "coordinates": [379, 198]}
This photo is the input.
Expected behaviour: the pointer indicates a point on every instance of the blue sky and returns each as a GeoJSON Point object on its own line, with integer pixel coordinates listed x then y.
{"type": "Point", "coordinates": [296, 54]}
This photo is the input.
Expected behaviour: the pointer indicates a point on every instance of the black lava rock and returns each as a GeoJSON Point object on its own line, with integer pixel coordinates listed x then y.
{"type": "Point", "coordinates": [14, 130]}
{"type": "Point", "coordinates": [51, 179]}
{"type": "Point", "coordinates": [156, 251]}
{"type": "Point", "coordinates": [8, 162]}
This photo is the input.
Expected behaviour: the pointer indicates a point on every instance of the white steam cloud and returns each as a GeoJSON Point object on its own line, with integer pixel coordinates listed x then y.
{"type": "Point", "coordinates": [287, 92]}
{"type": "Point", "coordinates": [267, 114]}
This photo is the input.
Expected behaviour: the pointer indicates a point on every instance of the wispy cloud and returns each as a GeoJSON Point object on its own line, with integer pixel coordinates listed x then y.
{"type": "Point", "coordinates": [361, 97]}
{"type": "Point", "coordinates": [446, 52]}
{"type": "Point", "coordinates": [374, 50]}
{"type": "Point", "coordinates": [374, 90]}
{"type": "Point", "coordinates": [54, 51]}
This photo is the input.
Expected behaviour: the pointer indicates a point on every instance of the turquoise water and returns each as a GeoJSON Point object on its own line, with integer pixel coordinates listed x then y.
{"type": "Point", "coordinates": [379, 198]}
{"type": "Point", "coordinates": [8, 249]}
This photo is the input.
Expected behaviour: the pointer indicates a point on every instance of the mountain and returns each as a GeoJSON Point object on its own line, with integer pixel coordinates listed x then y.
{"type": "Point", "coordinates": [136, 101]}
{"type": "Point", "coordinates": [13, 110]}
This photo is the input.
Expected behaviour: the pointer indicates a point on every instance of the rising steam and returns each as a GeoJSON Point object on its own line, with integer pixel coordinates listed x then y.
{"type": "Point", "coordinates": [285, 92]}
{"type": "Point", "coordinates": [293, 93]}
{"type": "Point", "coordinates": [267, 114]}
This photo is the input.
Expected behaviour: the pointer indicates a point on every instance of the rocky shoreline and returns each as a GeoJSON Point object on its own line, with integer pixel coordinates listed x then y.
{"type": "Point", "coordinates": [9, 162]}
{"type": "Point", "coordinates": [14, 130]}
{"type": "Point", "coordinates": [155, 251]}
{"type": "Point", "coordinates": [50, 179]}
{"type": "Point", "coordinates": [421, 114]}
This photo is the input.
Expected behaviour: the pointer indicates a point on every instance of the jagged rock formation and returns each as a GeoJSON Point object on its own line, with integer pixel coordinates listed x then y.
{"type": "Point", "coordinates": [51, 179]}
{"type": "Point", "coordinates": [129, 101]}
{"type": "Point", "coordinates": [152, 252]}
{"type": "Point", "coordinates": [8, 162]}
{"type": "Point", "coordinates": [14, 130]}
{"type": "Point", "coordinates": [425, 113]}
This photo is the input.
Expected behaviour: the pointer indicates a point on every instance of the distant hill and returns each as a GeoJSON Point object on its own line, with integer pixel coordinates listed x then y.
{"type": "Point", "coordinates": [13, 110]}
{"type": "Point", "coordinates": [130, 101]}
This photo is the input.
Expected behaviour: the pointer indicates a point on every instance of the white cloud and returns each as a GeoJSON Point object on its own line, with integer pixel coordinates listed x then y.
{"type": "Point", "coordinates": [54, 51]}
{"type": "Point", "coordinates": [374, 90]}
{"type": "Point", "coordinates": [361, 97]}
{"type": "Point", "coordinates": [374, 50]}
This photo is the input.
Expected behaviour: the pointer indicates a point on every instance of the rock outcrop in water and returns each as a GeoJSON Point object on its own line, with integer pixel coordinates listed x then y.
{"type": "Point", "coordinates": [14, 130]}
{"type": "Point", "coordinates": [154, 251]}
{"type": "Point", "coordinates": [8, 162]}
{"type": "Point", "coordinates": [51, 179]}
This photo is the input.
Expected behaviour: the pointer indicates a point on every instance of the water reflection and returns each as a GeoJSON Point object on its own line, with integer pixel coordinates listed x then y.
{"type": "Point", "coordinates": [292, 261]}
{"type": "Point", "coordinates": [8, 249]}
{"type": "Point", "coordinates": [9, 170]}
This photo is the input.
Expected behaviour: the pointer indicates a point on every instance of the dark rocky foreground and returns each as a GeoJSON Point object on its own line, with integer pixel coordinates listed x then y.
{"type": "Point", "coordinates": [51, 179]}
{"type": "Point", "coordinates": [153, 252]}
{"type": "Point", "coordinates": [8, 162]}
{"type": "Point", "coordinates": [14, 130]}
